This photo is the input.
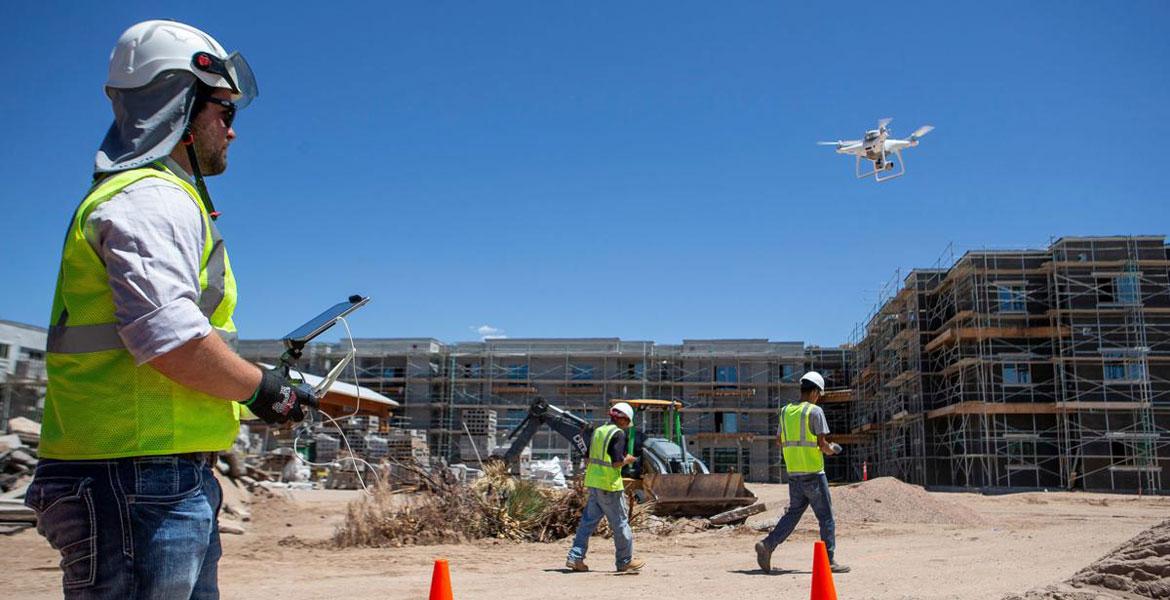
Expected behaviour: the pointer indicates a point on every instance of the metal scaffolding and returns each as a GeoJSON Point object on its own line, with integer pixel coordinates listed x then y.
{"type": "Point", "coordinates": [1023, 369]}
{"type": "Point", "coordinates": [1112, 295]}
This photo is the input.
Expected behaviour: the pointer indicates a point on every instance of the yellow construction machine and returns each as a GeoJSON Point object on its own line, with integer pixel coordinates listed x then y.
{"type": "Point", "coordinates": [676, 481]}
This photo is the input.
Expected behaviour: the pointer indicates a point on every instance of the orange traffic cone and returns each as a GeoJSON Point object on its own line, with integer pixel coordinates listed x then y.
{"type": "Point", "coordinates": [441, 581]}
{"type": "Point", "coordinates": [822, 579]}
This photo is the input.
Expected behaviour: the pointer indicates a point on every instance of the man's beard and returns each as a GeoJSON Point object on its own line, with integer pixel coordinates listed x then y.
{"type": "Point", "coordinates": [212, 161]}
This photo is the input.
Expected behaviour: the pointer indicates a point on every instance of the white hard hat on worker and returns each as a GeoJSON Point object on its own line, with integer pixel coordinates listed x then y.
{"type": "Point", "coordinates": [622, 410]}
{"type": "Point", "coordinates": [160, 74]}
{"type": "Point", "coordinates": [151, 48]}
{"type": "Point", "coordinates": [813, 378]}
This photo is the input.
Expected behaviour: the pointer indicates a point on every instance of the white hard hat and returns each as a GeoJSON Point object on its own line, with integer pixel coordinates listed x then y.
{"type": "Point", "coordinates": [621, 409]}
{"type": "Point", "coordinates": [151, 48]}
{"type": "Point", "coordinates": [814, 378]}
{"type": "Point", "coordinates": [155, 71]}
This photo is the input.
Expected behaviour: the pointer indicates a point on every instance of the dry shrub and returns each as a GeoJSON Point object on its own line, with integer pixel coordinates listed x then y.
{"type": "Point", "coordinates": [495, 506]}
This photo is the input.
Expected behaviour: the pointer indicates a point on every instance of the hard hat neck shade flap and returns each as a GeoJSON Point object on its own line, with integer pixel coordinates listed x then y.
{"type": "Point", "coordinates": [148, 122]}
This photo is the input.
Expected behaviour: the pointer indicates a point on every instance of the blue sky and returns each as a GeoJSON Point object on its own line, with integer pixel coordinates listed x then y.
{"type": "Point", "coordinates": [644, 170]}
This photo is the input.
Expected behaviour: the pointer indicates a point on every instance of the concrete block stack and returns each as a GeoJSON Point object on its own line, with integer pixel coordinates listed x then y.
{"type": "Point", "coordinates": [356, 430]}
{"type": "Point", "coordinates": [367, 423]}
{"type": "Point", "coordinates": [481, 424]}
{"type": "Point", "coordinates": [377, 448]}
{"type": "Point", "coordinates": [406, 445]}
{"type": "Point", "coordinates": [479, 421]}
{"type": "Point", "coordinates": [326, 447]}
{"type": "Point", "coordinates": [481, 444]}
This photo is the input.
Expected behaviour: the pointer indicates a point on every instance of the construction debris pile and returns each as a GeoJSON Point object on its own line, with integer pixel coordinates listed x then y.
{"type": "Point", "coordinates": [18, 460]}
{"type": "Point", "coordinates": [349, 453]}
{"type": "Point", "coordinates": [1139, 568]}
{"type": "Point", "coordinates": [496, 505]}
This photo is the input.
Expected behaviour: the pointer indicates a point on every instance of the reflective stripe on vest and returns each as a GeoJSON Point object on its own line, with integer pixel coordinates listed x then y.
{"type": "Point", "coordinates": [80, 339]}
{"type": "Point", "coordinates": [599, 470]}
{"type": "Point", "coordinates": [799, 445]}
{"type": "Point", "coordinates": [100, 403]}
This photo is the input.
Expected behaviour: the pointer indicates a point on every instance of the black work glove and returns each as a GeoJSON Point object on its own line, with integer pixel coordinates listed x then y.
{"type": "Point", "coordinates": [279, 400]}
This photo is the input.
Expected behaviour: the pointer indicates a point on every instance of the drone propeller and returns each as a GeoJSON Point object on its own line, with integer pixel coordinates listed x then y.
{"type": "Point", "coordinates": [883, 123]}
{"type": "Point", "coordinates": [837, 143]}
{"type": "Point", "coordinates": [921, 131]}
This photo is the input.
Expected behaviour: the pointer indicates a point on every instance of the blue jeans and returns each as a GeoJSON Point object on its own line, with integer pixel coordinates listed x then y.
{"type": "Point", "coordinates": [138, 528]}
{"type": "Point", "coordinates": [805, 490]}
{"type": "Point", "coordinates": [612, 506]}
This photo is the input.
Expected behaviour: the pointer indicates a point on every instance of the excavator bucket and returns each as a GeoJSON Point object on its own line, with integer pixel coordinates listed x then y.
{"type": "Point", "coordinates": [696, 494]}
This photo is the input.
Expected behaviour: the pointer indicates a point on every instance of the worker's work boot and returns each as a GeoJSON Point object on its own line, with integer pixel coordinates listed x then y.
{"type": "Point", "coordinates": [837, 567]}
{"type": "Point", "coordinates": [633, 565]}
{"type": "Point", "coordinates": [577, 565]}
{"type": "Point", "coordinates": [764, 557]}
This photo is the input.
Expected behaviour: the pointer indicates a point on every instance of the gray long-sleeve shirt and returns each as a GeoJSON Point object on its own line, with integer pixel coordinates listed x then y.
{"type": "Point", "coordinates": [150, 237]}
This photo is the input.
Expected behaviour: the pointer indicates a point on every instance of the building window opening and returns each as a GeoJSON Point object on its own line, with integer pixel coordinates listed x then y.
{"type": "Point", "coordinates": [726, 422]}
{"type": "Point", "coordinates": [1012, 298]}
{"type": "Point", "coordinates": [1017, 374]}
{"type": "Point", "coordinates": [1128, 289]}
{"type": "Point", "coordinates": [1121, 369]}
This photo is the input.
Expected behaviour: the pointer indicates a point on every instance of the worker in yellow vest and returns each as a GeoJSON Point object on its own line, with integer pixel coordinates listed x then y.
{"type": "Point", "coordinates": [144, 386]}
{"type": "Point", "coordinates": [802, 437]}
{"type": "Point", "coordinates": [607, 493]}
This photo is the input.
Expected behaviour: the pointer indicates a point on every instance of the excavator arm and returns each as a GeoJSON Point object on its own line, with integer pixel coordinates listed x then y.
{"type": "Point", "coordinates": [541, 413]}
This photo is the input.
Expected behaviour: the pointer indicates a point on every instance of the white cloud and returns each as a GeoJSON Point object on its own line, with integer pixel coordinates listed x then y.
{"type": "Point", "coordinates": [487, 332]}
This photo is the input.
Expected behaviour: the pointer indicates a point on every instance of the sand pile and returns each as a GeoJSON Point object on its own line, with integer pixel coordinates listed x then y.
{"type": "Point", "coordinates": [1139, 568]}
{"type": "Point", "coordinates": [889, 500]}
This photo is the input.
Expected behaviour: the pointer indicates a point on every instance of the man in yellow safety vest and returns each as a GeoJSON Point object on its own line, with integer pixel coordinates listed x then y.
{"type": "Point", "coordinates": [607, 494]}
{"type": "Point", "coordinates": [802, 437]}
{"type": "Point", "coordinates": [144, 385]}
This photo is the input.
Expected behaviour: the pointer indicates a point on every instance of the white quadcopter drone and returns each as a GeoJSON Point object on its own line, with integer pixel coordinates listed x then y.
{"type": "Point", "coordinates": [878, 148]}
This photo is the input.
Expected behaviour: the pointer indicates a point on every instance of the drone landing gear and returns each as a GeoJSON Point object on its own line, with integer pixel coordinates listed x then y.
{"type": "Point", "coordinates": [879, 174]}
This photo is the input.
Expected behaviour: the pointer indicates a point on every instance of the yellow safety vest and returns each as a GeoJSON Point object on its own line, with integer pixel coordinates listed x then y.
{"type": "Point", "coordinates": [801, 453]}
{"type": "Point", "coordinates": [600, 472]}
{"type": "Point", "coordinates": [100, 403]}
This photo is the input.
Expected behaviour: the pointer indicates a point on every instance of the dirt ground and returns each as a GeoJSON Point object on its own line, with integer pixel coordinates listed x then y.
{"type": "Point", "coordinates": [1018, 542]}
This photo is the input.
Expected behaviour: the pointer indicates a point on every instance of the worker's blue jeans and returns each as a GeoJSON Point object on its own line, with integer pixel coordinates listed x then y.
{"type": "Point", "coordinates": [138, 528]}
{"type": "Point", "coordinates": [803, 491]}
{"type": "Point", "coordinates": [612, 506]}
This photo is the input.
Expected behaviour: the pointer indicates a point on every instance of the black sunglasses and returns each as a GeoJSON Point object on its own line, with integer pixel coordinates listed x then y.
{"type": "Point", "coordinates": [229, 113]}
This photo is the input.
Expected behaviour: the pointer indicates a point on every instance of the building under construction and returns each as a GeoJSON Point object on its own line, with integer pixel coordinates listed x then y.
{"type": "Point", "coordinates": [1021, 369]}
{"type": "Point", "coordinates": [1040, 368]}
{"type": "Point", "coordinates": [730, 389]}
{"type": "Point", "coordinates": [22, 371]}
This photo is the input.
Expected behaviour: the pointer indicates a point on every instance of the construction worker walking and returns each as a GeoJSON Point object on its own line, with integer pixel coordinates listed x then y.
{"type": "Point", "coordinates": [607, 495]}
{"type": "Point", "coordinates": [802, 436]}
{"type": "Point", "coordinates": [144, 386]}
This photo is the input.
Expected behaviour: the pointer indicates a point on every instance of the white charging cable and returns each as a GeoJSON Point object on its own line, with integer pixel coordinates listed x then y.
{"type": "Point", "coordinates": [352, 458]}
